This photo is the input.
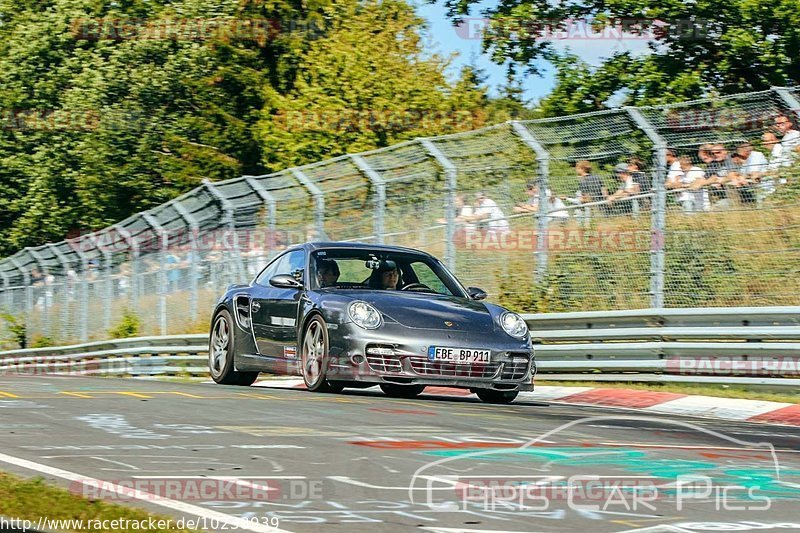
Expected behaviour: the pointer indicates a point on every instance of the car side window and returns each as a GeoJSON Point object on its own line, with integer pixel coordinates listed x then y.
{"type": "Point", "coordinates": [292, 263]}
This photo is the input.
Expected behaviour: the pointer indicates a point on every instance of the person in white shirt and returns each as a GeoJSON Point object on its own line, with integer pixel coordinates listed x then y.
{"type": "Point", "coordinates": [555, 205]}
{"type": "Point", "coordinates": [776, 155]}
{"type": "Point", "coordinates": [790, 137]}
{"type": "Point", "coordinates": [673, 164]}
{"type": "Point", "coordinates": [489, 215]}
{"type": "Point", "coordinates": [695, 197]}
{"type": "Point", "coordinates": [464, 213]}
{"type": "Point", "coordinates": [752, 171]}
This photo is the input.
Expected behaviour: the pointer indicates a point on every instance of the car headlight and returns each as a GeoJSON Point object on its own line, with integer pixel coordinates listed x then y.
{"type": "Point", "coordinates": [364, 315]}
{"type": "Point", "coordinates": [514, 325]}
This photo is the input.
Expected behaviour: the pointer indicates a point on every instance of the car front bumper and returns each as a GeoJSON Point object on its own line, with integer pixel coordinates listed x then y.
{"type": "Point", "coordinates": [397, 355]}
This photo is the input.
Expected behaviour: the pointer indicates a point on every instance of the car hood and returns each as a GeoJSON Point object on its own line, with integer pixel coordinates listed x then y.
{"type": "Point", "coordinates": [428, 311]}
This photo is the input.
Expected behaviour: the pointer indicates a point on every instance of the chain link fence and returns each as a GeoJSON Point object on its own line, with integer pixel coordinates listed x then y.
{"type": "Point", "coordinates": [684, 205]}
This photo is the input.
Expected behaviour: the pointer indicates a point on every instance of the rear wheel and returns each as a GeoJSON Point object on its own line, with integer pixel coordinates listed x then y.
{"type": "Point", "coordinates": [496, 396]}
{"type": "Point", "coordinates": [402, 391]}
{"type": "Point", "coordinates": [221, 353]}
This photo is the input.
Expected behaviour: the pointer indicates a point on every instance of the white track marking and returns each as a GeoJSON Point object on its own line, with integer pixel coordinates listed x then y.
{"type": "Point", "coordinates": [726, 408]}
{"type": "Point", "coordinates": [174, 505]}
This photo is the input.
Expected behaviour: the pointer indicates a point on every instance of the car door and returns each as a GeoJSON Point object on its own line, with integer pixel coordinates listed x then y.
{"type": "Point", "coordinates": [274, 309]}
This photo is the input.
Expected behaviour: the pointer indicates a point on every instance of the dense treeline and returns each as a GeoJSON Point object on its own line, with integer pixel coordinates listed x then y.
{"type": "Point", "coordinates": [109, 108]}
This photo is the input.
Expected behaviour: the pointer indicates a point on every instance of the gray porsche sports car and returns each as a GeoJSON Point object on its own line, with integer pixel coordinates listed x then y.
{"type": "Point", "coordinates": [355, 315]}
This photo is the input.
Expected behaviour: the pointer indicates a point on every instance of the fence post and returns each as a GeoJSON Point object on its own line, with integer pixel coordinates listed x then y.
{"type": "Point", "coordinates": [543, 162]}
{"type": "Point", "coordinates": [65, 293]}
{"type": "Point", "coordinates": [162, 273]}
{"type": "Point", "coordinates": [194, 231]}
{"type": "Point", "coordinates": [42, 264]}
{"type": "Point", "coordinates": [267, 198]}
{"type": "Point", "coordinates": [451, 182]}
{"type": "Point", "coordinates": [380, 191]}
{"type": "Point", "coordinates": [26, 279]}
{"type": "Point", "coordinates": [319, 201]}
{"type": "Point", "coordinates": [6, 285]}
{"type": "Point", "coordinates": [109, 282]}
{"type": "Point", "coordinates": [230, 221]}
{"type": "Point", "coordinates": [789, 99]}
{"type": "Point", "coordinates": [134, 247]}
{"type": "Point", "coordinates": [658, 237]}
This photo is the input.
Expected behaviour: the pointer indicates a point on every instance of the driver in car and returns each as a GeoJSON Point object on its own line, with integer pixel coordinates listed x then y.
{"type": "Point", "coordinates": [327, 272]}
{"type": "Point", "coordinates": [386, 277]}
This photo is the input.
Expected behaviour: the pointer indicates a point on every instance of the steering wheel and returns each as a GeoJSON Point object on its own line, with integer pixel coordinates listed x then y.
{"type": "Point", "coordinates": [413, 286]}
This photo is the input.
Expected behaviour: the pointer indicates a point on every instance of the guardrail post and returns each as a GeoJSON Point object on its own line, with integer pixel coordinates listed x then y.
{"type": "Point", "coordinates": [380, 192]}
{"type": "Point", "coordinates": [789, 99]}
{"type": "Point", "coordinates": [658, 237]}
{"type": "Point", "coordinates": [162, 273]}
{"type": "Point", "coordinates": [230, 221]}
{"type": "Point", "coordinates": [26, 277]}
{"type": "Point", "coordinates": [134, 247]}
{"type": "Point", "coordinates": [194, 229]}
{"type": "Point", "coordinates": [65, 300]}
{"type": "Point", "coordinates": [543, 163]}
{"type": "Point", "coordinates": [319, 201]}
{"type": "Point", "coordinates": [451, 183]}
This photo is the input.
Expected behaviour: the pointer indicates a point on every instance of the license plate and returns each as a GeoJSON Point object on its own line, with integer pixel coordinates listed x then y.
{"type": "Point", "coordinates": [459, 356]}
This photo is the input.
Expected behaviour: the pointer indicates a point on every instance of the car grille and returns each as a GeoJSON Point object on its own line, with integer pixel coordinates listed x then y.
{"type": "Point", "coordinates": [515, 369]}
{"type": "Point", "coordinates": [384, 363]}
{"type": "Point", "coordinates": [428, 368]}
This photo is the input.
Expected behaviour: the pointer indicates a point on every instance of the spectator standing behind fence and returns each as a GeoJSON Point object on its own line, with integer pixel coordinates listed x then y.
{"type": "Point", "coordinates": [590, 189]}
{"type": "Point", "coordinates": [555, 206]}
{"type": "Point", "coordinates": [464, 213]}
{"type": "Point", "coordinates": [754, 166]}
{"type": "Point", "coordinates": [618, 202]}
{"type": "Point", "coordinates": [717, 175]}
{"type": "Point", "coordinates": [673, 165]}
{"type": "Point", "coordinates": [790, 137]}
{"type": "Point", "coordinates": [693, 198]}
{"type": "Point", "coordinates": [488, 215]}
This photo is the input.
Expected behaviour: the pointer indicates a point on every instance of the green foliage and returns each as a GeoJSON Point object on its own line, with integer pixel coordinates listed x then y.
{"type": "Point", "coordinates": [710, 47]}
{"type": "Point", "coordinates": [41, 341]}
{"type": "Point", "coordinates": [366, 84]}
{"type": "Point", "coordinates": [16, 325]}
{"type": "Point", "coordinates": [129, 325]}
{"type": "Point", "coordinates": [95, 129]}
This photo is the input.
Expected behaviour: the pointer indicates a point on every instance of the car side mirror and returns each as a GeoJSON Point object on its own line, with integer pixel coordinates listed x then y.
{"type": "Point", "coordinates": [285, 281]}
{"type": "Point", "coordinates": [476, 294]}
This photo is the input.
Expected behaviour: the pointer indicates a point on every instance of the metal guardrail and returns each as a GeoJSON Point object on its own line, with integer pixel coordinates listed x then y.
{"type": "Point", "coordinates": [717, 345]}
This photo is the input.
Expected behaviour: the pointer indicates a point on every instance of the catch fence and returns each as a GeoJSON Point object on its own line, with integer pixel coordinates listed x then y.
{"type": "Point", "coordinates": [666, 244]}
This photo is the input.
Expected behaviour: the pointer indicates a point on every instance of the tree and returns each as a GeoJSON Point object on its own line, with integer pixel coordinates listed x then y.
{"type": "Point", "coordinates": [366, 84]}
{"type": "Point", "coordinates": [706, 47]}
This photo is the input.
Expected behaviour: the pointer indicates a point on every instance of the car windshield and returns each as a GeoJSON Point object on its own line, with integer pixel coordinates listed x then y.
{"type": "Point", "coordinates": [381, 270]}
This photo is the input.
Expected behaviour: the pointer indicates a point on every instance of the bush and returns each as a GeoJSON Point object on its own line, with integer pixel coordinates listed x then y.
{"type": "Point", "coordinates": [41, 341]}
{"type": "Point", "coordinates": [16, 325]}
{"type": "Point", "coordinates": [130, 325]}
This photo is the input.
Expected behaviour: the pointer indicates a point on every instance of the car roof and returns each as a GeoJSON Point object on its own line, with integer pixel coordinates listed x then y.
{"type": "Point", "coordinates": [313, 246]}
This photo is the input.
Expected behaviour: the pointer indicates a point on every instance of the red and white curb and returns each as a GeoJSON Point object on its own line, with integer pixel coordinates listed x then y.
{"type": "Point", "coordinates": [787, 414]}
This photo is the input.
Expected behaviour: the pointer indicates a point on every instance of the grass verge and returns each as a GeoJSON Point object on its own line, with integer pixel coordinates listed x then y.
{"type": "Point", "coordinates": [30, 499]}
{"type": "Point", "coordinates": [720, 391]}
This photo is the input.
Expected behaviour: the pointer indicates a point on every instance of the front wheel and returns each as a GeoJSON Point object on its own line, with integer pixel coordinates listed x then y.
{"type": "Point", "coordinates": [496, 396]}
{"type": "Point", "coordinates": [314, 357]}
{"type": "Point", "coordinates": [402, 391]}
{"type": "Point", "coordinates": [221, 353]}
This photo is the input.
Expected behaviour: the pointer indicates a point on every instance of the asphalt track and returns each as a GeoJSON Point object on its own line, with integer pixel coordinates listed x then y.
{"type": "Point", "coordinates": [360, 461]}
